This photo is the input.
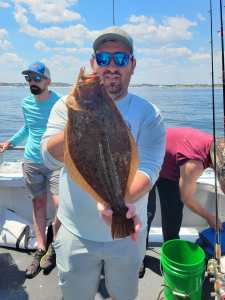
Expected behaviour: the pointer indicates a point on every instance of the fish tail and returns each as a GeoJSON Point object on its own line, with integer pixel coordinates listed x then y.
{"type": "Point", "coordinates": [121, 226]}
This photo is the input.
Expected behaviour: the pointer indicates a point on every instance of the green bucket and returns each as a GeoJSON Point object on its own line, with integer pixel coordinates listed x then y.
{"type": "Point", "coordinates": [183, 267]}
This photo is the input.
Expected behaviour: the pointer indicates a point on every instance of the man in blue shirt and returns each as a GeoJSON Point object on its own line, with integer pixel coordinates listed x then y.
{"type": "Point", "coordinates": [38, 179]}
{"type": "Point", "coordinates": [84, 242]}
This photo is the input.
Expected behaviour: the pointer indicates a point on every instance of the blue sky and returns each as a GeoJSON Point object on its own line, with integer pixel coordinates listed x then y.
{"type": "Point", "coordinates": [171, 37]}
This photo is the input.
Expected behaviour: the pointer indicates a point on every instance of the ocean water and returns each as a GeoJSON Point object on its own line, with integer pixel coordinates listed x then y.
{"type": "Point", "coordinates": [179, 107]}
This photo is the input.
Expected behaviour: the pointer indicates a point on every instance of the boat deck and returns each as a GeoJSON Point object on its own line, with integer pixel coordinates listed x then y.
{"type": "Point", "coordinates": [14, 285]}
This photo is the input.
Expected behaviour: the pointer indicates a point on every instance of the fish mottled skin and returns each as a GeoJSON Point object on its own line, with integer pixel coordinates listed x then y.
{"type": "Point", "coordinates": [100, 153]}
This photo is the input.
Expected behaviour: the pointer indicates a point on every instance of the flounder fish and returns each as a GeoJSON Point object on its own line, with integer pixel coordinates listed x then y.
{"type": "Point", "coordinates": [100, 152]}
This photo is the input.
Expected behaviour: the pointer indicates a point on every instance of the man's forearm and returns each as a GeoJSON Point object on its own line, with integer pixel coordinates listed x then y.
{"type": "Point", "coordinates": [138, 188]}
{"type": "Point", "coordinates": [197, 208]}
{"type": "Point", "coordinates": [55, 146]}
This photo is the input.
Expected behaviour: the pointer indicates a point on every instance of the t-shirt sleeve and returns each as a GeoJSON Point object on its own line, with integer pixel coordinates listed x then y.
{"type": "Point", "coordinates": [151, 146]}
{"type": "Point", "coordinates": [56, 124]}
{"type": "Point", "coordinates": [185, 152]}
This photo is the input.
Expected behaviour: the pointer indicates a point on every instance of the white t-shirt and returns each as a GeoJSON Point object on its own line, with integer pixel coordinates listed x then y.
{"type": "Point", "coordinates": [77, 209]}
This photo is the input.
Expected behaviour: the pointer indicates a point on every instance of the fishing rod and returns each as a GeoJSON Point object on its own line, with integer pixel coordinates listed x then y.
{"type": "Point", "coordinates": [113, 13]}
{"type": "Point", "coordinates": [222, 60]}
{"type": "Point", "coordinates": [213, 266]}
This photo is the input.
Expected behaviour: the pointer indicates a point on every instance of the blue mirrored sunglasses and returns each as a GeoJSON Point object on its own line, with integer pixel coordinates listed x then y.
{"type": "Point", "coordinates": [121, 59]}
{"type": "Point", "coordinates": [36, 78]}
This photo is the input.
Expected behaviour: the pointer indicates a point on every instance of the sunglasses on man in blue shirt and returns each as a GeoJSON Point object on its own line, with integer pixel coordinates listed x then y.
{"type": "Point", "coordinates": [35, 78]}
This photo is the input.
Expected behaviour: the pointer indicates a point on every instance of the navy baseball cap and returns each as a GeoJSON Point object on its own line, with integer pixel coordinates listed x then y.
{"type": "Point", "coordinates": [38, 68]}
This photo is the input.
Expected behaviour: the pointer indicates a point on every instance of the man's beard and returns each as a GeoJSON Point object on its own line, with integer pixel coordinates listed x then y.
{"type": "Point", "coordinates": [112, 83]}
{"type": "Point", "coordinates": [35, 90]}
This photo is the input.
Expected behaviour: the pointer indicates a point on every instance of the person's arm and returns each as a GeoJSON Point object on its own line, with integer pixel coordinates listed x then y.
{"type": "Point", "coordinates": [189, 173]}
{"type": "Point", "coordinates": [20, 137]}
{"type": "Point", "coordinates": [140, 185]}
{"type": "Point", "coordinates": [52, 144]}
{"type": "Point", "coordinates": [151, 151]}
{"type": "Point", "coordinates": [22, 134]}
{"type": "Point", "coordinates": [15, 140]}
{"type": "Point", "coordinates": [55, 146]}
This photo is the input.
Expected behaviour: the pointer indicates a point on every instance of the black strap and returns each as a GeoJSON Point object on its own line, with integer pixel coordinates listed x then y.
{"type": "Point", "coordinates": [26, 234]}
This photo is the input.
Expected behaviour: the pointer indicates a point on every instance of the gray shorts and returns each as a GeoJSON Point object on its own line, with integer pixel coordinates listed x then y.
{"type": "Point", "coordinates": [80, 262]}
{"type": "Point", "coordinates": [39, 179]}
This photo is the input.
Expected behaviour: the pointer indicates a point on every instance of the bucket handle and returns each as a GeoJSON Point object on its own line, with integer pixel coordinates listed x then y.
{"type": "Point", "coordinates": [174, 292]}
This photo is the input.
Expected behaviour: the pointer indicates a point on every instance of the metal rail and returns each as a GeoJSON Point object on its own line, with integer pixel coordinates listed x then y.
{"type": "Point", "coordinates": [16, 148]}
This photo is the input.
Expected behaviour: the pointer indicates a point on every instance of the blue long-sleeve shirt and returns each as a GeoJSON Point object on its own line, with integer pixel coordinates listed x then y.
{"type": "Point", "coordinates": [36, 114]}
{"type": "Point", "coordinates": [77, 209]}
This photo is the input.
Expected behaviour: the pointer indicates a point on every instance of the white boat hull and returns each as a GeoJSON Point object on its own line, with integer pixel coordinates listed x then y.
{"type": "Point", "coordinates": [13, 196]}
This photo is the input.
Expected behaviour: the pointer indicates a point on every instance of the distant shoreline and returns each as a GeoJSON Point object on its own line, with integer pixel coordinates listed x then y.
{"type": "Point", "coordinates": [61, 84]}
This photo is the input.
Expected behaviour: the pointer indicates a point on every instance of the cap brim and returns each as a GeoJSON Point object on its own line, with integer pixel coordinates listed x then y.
{"type": "Point", "coordinates": [25, 72]}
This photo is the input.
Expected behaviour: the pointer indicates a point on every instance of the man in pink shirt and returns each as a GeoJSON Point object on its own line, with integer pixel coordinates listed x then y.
{"type": "Point", "coordinates": [189, 152]}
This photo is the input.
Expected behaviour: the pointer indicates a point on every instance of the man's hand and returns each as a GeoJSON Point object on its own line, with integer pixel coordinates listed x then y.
{"type": "Point", "coordinates": [4, 146]}
{"type": "Point", "coordinates": [106, 213]}
{"type": "Point", "coordinates": [211, 219]}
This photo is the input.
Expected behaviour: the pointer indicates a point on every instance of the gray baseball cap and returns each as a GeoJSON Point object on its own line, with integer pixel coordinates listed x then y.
{"type": "Point", "coordinates": [114, 34]}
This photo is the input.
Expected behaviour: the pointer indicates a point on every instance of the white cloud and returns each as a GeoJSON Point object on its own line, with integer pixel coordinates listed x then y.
{"type": "Point", "coordinates": [11, 58]}
{"type": "Point", "coordinates": [167, 51]}
{"type": "Point", "coordinates": [40, 46]}
{"type": "Point", "coordinates": [172, 29]}
{"type": "Point", "coordinates": [51, 11]}
{"type": "Point", "coordinates": [66, 68]}
{"type": "Point", "coordinates": [76, 34]}
{"type": "Point", "coordinates": [201, 17]}
{"type": "Point", "coordinates": [3, 33]}
{"type": "Point", "coordinates": [141, 19]}
{"type": "Point", "coordinates": [156, 71]}
{"type": "Point", "coordinates": [4, 43]}
{"type": "Point", "coordinates": [4, 5]}
{"type": "Point", "coordinates": [67, 47]}
{"type": "Point", "coordinates": [12, 65]}
{"type": "Point", "coordinates": [143, 29]}
{"type": "Point", "coordinates": [200, 56]}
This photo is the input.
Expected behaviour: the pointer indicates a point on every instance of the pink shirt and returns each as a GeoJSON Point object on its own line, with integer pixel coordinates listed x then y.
{"type": "Point", "coordinates": [183, 144]}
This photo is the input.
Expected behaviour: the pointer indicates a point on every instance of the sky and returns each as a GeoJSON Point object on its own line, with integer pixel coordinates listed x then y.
{"type": "Point", "coordinates": [171, 38]}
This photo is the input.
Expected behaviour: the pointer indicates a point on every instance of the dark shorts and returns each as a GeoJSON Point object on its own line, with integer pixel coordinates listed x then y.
{"type": "Point", "coordinates": [39, 179]}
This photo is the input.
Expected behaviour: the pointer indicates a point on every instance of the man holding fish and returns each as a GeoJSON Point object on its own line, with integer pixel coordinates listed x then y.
{"type": "Point", "coordinates": [83, 137]}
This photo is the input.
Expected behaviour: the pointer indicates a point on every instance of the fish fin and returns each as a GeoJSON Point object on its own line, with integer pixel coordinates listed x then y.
{"type": "Point", "coordinates": [71, 103]}
{"type": "Point", "coordinates": [74, 93]}
{"type": "Point", "coordinates": [76, 175]}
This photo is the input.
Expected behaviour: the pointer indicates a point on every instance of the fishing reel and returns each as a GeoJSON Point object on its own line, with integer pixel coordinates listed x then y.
{"type": "Point", "coordinates": [217, 277]}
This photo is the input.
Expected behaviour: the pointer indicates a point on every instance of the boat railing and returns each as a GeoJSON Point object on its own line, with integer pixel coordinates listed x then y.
{"type": "Point", "coordinates": [17, 148]}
